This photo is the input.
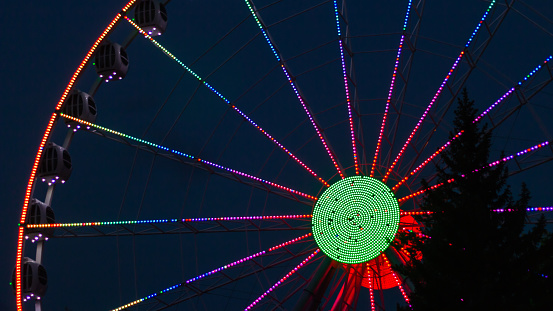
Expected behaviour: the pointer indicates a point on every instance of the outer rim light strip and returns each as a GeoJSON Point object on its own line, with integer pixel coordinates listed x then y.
{"type": "Point", "coordinates": [505, 159]}
{"type": "Point", "coordinates": [282, 280]}
{"type": "Point", "coordinates": [151, 221]}
{"type": "Point", "coordinates": [293, 84]}
{"type": "Point", "coordinates": [201, 276]}
{"type": "Point", "coordinates": [435, 98]}
{"type": "Point", "coordinates": [502, 98]}
{"type": "Point", "coordinates": [391, 90]}
{"type": "Point", "coordinates": [228, 102]}
{"type": "Point", "coordinates": [30, 183]}
{"type": "Point", "coordinates": [397, 280]}
{"type": "Point", "coordinates": [189, 156]}
{"type": "Point", "coordinates": [351, 127]}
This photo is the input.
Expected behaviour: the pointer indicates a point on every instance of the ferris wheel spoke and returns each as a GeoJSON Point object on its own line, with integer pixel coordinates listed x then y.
{"type": "Point", "coordinates": [397, 280]}
{"type": "Point", "coordinates": [175, 226]}
{"type": "Point", "coordinates": [216, 278]}
{"type": "Point", "coordinates": [472, 56]}
{"type": "Point", "coordinates": [346, 85]}
{"type": "Point", "coordinates": [295, 88]}
{"type": "Point", "coordinates": [511, 91]}
{"type": "Point", "coordinates": [284, 278]}
{"type": "Point", "coordinates": [391, 90]}
{"type": "Point", "coordinates": [523, 154]}
{"type": "Point", "coordinates": [440, 89]}
{"type": "Point", "coordinates": [371, 290]}
{"type": "Point", "coordinates": [190, 157]}
{"type": "Point", "coordinates": [228, 102]}
{"type": "Point", "coordinates": [398, 103]}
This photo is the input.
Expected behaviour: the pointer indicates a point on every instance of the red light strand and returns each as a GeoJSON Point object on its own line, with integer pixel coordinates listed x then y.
{"type": "Point", "coordinates": [19, 256]}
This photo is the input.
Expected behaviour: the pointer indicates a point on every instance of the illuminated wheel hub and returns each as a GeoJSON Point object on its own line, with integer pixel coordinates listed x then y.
{"type": "Point", "coordinates": [355, 219]}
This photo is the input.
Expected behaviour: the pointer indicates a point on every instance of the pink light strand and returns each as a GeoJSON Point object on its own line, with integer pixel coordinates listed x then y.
{"type": "Point", "coordinates": [397, 280]}
{"type": "Point", "coordinates": [282, 280]}
{"type": "Point", "coordinates": [371, 290]}
{"type": "Point", "coordinates": [157, 221]}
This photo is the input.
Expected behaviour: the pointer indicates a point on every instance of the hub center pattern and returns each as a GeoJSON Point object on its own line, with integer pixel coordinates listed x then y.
{"type": "Point", "coordinates": [355, 219]}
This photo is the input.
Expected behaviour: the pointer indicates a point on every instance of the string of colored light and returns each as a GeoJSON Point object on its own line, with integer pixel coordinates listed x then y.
{"type": "Point", "coordinates": [282, 280]}
{"type": "Point", "coordinates": [293, 85]}
{"type": "Point", "coordinates": [415, 213]}
{"type": "Point", "coordinates": [505, 159]}
{"type": "Point", "coordinates": [201, 276]}
{"type": "Point", "coordinates": [391, 90]}
{"type": "Point", "coordinates": [435, 98]}
{"type": "Point", "coordinates": [397, 280]}
{"type": "Point", "coordinates": [528, 209]}
{"type": "Point", "coordinates": [420, 235]}
{"type": "Point", "coordinates": [189, 156]}
{"type": "Point", "coordinates": [501, 99]}
{"type": "Point", "coordinates": [394, 188]}
{"type": "Point", "coordinates": [76, 74]}
{"type": "Point", "coordinates": [152, 221]}
{"type": "Point", "coordinates": [371, 291]}
{"type": "Point", "coordinates": [228, 102]}
{"type": "Point", "coordinates": [518, 154]}
{"type": "Point", "coordinates": [355, 159]}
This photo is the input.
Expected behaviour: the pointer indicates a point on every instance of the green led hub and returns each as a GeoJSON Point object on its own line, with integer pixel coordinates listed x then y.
{"type": "Point", "coordinates": [355, 219]}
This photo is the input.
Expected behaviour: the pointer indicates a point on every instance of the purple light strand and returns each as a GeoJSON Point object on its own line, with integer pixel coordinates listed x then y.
{"type": "Point", "coordinates": [155, 221]}
{"type": "Point", "coordinates": [435, 98]}
{"type": "Point", "coordinates": [282, 280]}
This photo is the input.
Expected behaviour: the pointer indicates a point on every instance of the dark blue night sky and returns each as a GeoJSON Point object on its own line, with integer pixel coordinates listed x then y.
{"type": "Point", "coordinates": [43, 42]}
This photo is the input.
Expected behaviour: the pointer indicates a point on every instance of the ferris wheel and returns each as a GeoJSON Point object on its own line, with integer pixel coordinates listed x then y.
{"type": "Point", "coordinates": [265, 154]}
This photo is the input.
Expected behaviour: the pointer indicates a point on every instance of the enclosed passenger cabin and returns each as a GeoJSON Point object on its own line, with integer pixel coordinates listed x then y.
{"type": "Point", "coordinates": [39, 213]}
{"type": "Point", "coordinates": [79, 105]}
{"type": "Point", "coordinates": [151, 16]}
{"type": "Point", "coordinates": [55, 164]}
{"type": "Point", "coordinates": [111, 61]}
{"type": "Point", "coordinates": [34, 280]}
